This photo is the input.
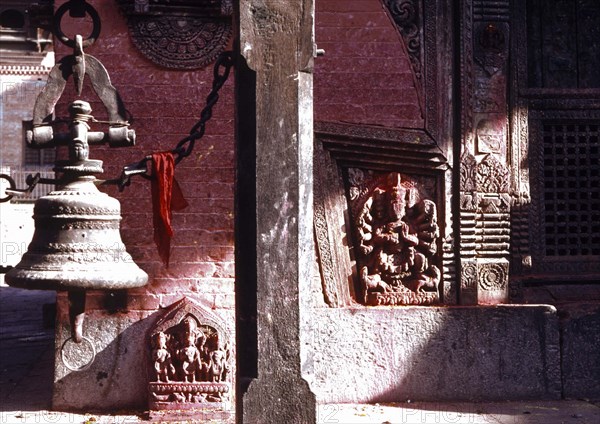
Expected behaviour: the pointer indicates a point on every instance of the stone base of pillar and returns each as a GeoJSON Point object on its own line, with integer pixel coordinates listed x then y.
{"type": "Point", "coordinates": [298, 404]}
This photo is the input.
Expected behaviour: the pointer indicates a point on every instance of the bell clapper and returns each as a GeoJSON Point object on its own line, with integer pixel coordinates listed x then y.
{"type": "Point", "coordinates": [77, 314]}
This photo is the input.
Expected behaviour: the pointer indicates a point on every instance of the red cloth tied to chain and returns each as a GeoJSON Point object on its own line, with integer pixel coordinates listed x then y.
{"type": "Point", "coordinates": [166, 197]}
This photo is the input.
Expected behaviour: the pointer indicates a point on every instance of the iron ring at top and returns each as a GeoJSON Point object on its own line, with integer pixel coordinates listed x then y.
{"type": "Point", "coordinates": [11, 186]}
{"type": "Point", "coordinates": [71, 42]}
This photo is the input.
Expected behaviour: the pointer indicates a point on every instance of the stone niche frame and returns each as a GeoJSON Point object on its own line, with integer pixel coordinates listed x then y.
{"type": "Point", "coordinates": [198, 383]}
{"type": "Point", "coordinates": [426, 28]}
{"type": "Point", "coordinates": [340, 147]}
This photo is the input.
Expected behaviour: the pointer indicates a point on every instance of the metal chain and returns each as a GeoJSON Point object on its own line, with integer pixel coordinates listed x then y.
{"type": "Point", "coordinates": [185, 146]}
{"type": "Point", "coordinates": [221, 72]}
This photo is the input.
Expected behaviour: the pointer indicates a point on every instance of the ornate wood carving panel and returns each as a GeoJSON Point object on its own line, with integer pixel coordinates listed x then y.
{"type": "Point", "coordinates": [485, 175]}
{"type": "Point", "coordinates": [556, 116]}
{"type": "Point", "coordinates": [396, 237]}
{"type": "Point", "coordinates": [179, 35]}
{"type": "Point", "coordinates": [381, 222]}
{"type": "Point", "coordinates": [331, 235]}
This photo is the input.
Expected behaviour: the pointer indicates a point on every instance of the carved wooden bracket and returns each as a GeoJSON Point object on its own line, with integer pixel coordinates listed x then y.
{"type": "Point", "coordinates": [180, 35]}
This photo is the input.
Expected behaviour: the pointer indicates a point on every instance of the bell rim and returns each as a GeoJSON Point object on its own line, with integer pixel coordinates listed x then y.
{"type": "Point", "coordinates": [60, 280]}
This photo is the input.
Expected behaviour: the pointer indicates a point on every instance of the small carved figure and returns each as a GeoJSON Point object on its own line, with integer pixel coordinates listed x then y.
{"type": "Point", "coordinates": [217, 367]}
{"type": "Point", "coordinates": [160, 398]}
{"type": "Point", "coordinates": [163, 365]}
{"type": "Point", "coordinates": [189, 356]}
{"type": "Point", "coordinates": [372, 282]}
{"type": "Point", "coordinates": [179, 397]}
{"type": "Point", "coordinates": [365, 229]}
{"type": "Point", "coordinates": [198, 397]}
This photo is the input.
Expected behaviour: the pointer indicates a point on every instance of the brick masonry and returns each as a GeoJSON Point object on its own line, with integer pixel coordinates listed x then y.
{"type": "Point", "coordinates": [164, 105]}
{"type": "Point", "coordinates": [365, 76]}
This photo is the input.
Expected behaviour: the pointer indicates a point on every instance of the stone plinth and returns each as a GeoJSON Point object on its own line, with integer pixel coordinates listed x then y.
{"type": "Point", "coordinates": [117, 378]}
{"type": "Point", "coordinates": [107, 371]}
{"type": "Point", "coordinates": [581, 351]}
{"type": "Point", "coordinates": [368, 355]}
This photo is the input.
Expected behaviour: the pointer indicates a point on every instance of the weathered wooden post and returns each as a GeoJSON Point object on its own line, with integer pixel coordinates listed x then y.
{"type": "Point", "coordinates": [274, 206]}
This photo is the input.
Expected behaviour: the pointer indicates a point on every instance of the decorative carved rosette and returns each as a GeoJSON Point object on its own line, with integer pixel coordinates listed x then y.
{"type": "Point", "coordinates": [181, 35]}
{"type": "Point", "coordinates": [492, 277]}
{"type": "Point", "coordinates": [396, 240]}
{"type": "Point", "coordinates": [179, 43]}
{"type": "Point", "coordinates": [190, 360]}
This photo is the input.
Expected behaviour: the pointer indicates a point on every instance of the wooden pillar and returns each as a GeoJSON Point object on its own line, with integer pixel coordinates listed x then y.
{"type": "Point", "coordinates": [274, 206]}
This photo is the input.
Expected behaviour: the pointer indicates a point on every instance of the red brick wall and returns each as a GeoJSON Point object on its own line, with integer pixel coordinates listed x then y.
{"type": "Point", "coordinates": [165, 104]}
{"type": "Point", "coordinates": [365, 76]}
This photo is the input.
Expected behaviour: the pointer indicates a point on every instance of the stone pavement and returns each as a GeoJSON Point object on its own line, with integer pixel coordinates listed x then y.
{"type": "Point", "coordinates": [26, 374]}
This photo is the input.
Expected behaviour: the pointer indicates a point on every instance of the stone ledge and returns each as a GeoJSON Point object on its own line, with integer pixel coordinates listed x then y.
{"type": "Point", "coordinates": [580, 332]}
{"type": "Point", "coordinates": [392, 354]}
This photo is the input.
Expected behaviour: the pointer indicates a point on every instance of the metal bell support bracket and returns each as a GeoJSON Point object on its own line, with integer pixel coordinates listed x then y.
{"type": "Point", "coordinates": [77, 226]}
{"type": "Point", "coordinates": [221, 71]}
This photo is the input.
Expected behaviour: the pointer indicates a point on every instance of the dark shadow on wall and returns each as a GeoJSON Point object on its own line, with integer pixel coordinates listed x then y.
{"type": "Point", "coordinates": [26, 349]}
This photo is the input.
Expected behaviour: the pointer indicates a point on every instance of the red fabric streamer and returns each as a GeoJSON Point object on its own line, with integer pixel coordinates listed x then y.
{"type": "Point", "coordinates": [166, 197]}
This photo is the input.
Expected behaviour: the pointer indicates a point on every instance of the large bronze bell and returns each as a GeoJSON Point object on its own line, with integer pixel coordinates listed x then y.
{"type": "Point", "coordinates": [76, 245]}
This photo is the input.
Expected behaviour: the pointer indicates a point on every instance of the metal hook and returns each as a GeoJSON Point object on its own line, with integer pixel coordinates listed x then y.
{"type": "Point", "coordinates": [10, 190]}
{"type": "Point", "coordinates": [78, 64]}
{"type": "Point", "coordinates": [77, 314]}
